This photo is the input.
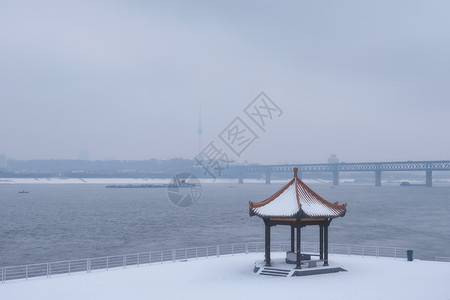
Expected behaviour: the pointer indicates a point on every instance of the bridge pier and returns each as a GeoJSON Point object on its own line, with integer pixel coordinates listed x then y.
{"type": "Point", "coordinates": [429, 178]}
{"type": "Point", "coordinates": [241, 178]}
{"type": "Point", "coordinates": [377, 178]}
{"type": "Point", "coordinates": [267, 177]}
{"type": "Point", "coordinates": [335, 178]}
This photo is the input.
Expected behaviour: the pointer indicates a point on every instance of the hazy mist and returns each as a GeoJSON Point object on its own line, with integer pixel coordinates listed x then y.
{"type": "Point", "coordinates": [367, 80]}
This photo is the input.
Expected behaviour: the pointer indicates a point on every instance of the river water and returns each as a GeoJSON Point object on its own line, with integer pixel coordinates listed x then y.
{"type": "Point", "coordinates": [68, 221]}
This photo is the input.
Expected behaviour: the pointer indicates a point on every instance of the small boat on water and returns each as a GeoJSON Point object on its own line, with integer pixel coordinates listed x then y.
{"type": "Point", "coordinates": [23, 192]}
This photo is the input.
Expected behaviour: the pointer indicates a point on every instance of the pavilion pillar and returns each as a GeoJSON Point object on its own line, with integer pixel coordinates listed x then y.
{"type": "Point", "coordinates": [267, 245]}
{"type": "Point", "coordinates": [299, 254]}
{"type": "Point", "coordinates": [321, 241]}
{"type": "Point", "coordinates": [292, 239]}
{"type": "Point", "coordinates": [325, 241]}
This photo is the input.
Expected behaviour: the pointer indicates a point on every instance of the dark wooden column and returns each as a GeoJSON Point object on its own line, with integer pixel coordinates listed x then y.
{"type": "Point", "coordinates": [325, 263]}
{"type": "Point", "coordinates": [267, 244]}
{"type": "Point", "coordinates": [321, 241]}
{"type": "Point", "coordinates": [299, 255]}
{"type": "Point", "coordinates": [292, 238]}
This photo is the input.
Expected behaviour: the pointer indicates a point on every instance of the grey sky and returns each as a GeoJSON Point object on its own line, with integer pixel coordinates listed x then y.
{"type": "Point", "coordinates": [367, 80]}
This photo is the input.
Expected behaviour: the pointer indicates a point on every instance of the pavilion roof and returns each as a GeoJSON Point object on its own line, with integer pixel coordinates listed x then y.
{"type": "Point", "coordinates": [297, 199]}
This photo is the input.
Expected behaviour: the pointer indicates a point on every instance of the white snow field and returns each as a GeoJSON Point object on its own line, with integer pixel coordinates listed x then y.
{"type": "Point", "coordinates": [232, 277]}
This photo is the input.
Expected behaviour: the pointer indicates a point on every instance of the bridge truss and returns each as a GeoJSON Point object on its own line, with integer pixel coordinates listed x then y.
{"type": "Point", "coordinates": [336, 168]}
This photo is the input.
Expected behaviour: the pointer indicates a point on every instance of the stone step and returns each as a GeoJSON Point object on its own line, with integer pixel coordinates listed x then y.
{"type": "Point", "coordinates": [274, 269]}
{"type": "Point", "coordinates": [274, 272]}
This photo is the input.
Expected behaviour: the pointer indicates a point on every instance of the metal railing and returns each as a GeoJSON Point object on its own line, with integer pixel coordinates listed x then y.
{"type": "Point", "coordinates": [442, 258]}
{"type": "Point", "coordinates": [88, 265]}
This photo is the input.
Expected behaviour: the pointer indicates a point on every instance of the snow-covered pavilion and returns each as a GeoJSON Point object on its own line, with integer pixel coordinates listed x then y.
{"type": "Point", "coordinates": [296, 205]}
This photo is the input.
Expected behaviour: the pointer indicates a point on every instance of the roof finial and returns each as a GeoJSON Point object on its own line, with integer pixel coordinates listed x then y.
{"type": "Point", "coordinates": [295, 172]}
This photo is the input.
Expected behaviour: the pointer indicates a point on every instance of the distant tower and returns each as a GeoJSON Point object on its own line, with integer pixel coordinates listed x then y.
{"type": "Point", "coordinates": [200, 131]}
{"type": "Point", "coordinates": [333, 159]}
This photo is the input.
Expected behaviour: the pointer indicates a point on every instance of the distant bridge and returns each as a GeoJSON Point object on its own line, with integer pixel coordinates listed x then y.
{"type": "Point", "coordinates": [336, 168]}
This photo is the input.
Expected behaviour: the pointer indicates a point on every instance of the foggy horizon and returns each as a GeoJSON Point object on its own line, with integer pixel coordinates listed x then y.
{"type": "Point", "coordinates": [127, 80]}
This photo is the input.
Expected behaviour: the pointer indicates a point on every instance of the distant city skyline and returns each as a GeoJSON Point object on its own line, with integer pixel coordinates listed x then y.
{"type": "Point", "coordinates": [367, 81]}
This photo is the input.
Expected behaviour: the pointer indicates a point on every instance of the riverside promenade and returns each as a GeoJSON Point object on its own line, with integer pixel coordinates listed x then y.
{"type": "Point", "coordinates": [232, 277]}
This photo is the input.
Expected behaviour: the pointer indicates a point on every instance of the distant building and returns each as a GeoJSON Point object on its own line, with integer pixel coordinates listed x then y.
{"type": "Point", "coordinates": [333, 159]}
{"type": "Point", "coordinates": [3, 162]}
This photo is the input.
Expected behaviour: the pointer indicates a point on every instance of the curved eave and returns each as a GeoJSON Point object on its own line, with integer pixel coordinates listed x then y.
{"type": "Point", "coordinates": [341, 214]}
{"type": "Point", "coordinates": [271, 198]}
{"type": "Point", "coordinates": [296, 199]}
{"type": "Point", "coordinates": [339, 208]}
{"type": "Point", "coordinates": [300, 214]}
{"type": "Point", "coordinates": [252, 213]}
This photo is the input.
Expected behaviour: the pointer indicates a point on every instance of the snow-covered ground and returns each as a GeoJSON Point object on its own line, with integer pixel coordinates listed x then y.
{"type": "Point", "coordinates": [231, 277]}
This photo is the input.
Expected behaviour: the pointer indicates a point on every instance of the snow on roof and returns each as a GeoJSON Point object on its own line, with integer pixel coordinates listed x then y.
{"type": "Point", "coordinates": [297, 198]}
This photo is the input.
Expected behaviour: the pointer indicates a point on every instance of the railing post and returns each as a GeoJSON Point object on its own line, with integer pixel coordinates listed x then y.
{"type": "Point", "coordinates": [3, 275]}
{"type": "Point", "coordinates": [107, 263]}
{"type": "Point", "coordinates": [185, 254]}
{"type": "Point", "coordinates": [348, 250]}
{"type": "Point", "coordinates": [218, 251]}
{"type": "Point", "coordinates": [246, 248]}
{"type": "Point", "coordinates": [26, 273]}
{"type": "Point", "coordinates": [232, 249]}
{"type": "Point", "coordinates": [149, 259]}
{"type": "Point", "coordinates": [47, 271]}
{"type": "Point", "coordinates": [88, 262]}
{"type": "Point", "coordinates": [138, 256]}
{"type": "Point", "coordinates": [123, 261]}
{"type": "Point", "coordinates": [196, 253]}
